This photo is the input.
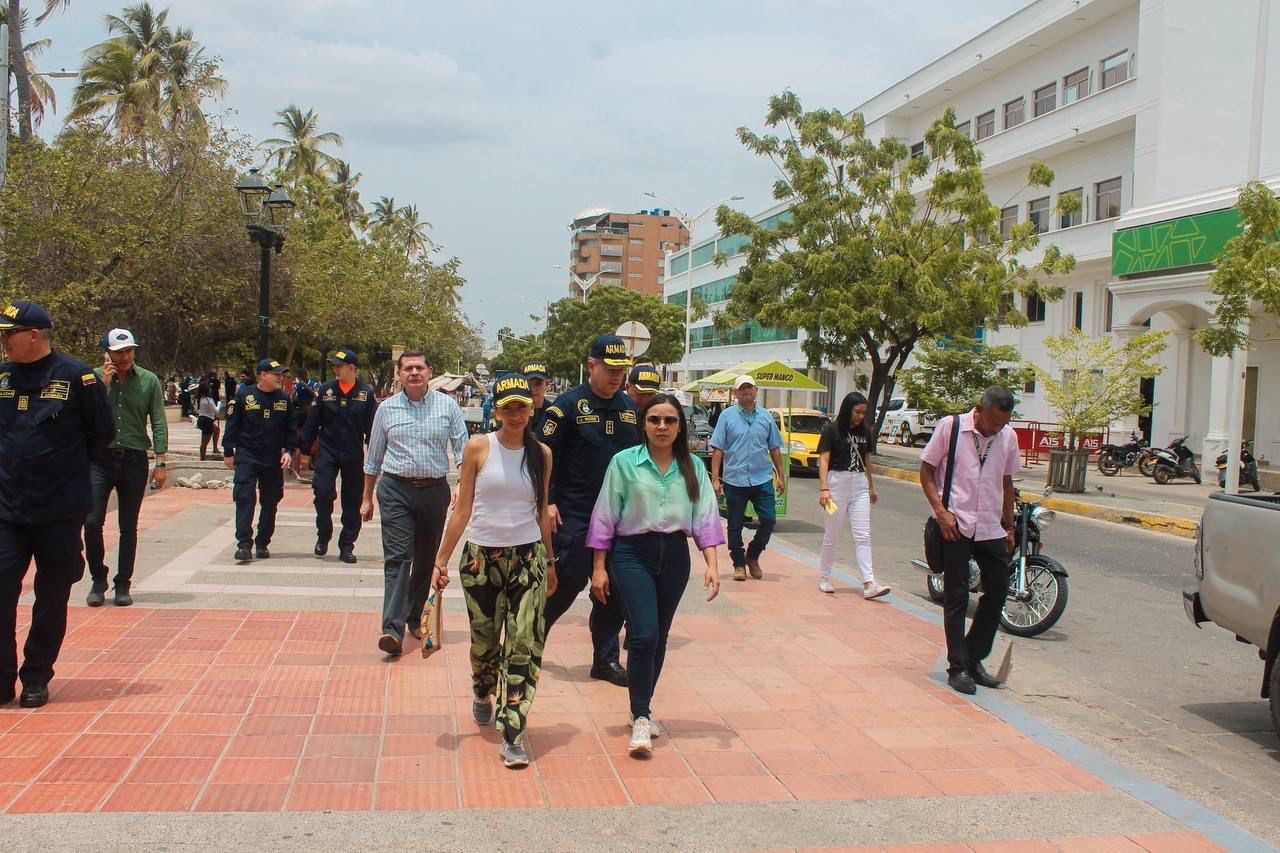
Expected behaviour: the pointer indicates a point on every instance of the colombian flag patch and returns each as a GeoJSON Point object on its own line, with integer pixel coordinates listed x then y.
{"type": "Point", "coordinates": [88, 379]}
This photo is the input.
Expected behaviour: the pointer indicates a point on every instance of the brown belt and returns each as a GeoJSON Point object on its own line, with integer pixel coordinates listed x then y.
{"type": "Point", "coordinates": [417, 482]}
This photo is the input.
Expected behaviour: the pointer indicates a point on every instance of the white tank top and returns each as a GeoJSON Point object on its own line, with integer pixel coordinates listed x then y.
{"type": "Point", "coordinates": [504, 510]}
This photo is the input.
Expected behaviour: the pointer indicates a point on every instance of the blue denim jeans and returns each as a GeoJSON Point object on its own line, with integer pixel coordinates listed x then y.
{"type": "Point", "coordinates": [764, 500]}
{"type": "Point", "coordinates": [647, 575]}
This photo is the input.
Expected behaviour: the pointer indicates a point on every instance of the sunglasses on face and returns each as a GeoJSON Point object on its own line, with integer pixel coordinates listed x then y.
{"type": "Point", "coordinates": [8, 333]}
{"type": "Point", "coordinates": [662, 420]}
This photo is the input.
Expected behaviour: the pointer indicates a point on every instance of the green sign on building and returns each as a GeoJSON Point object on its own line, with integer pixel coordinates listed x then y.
{"type": "Point", "coordinates": [1185, 242]}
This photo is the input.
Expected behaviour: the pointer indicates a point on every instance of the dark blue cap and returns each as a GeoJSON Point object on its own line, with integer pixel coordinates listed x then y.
{"type": "Point", "coordinates": [535, 369]}
{"type": "Point", "coordinates": [645, 379]}
{"type": "Point", "coordinates": [610, 350]}
{"type": "Point", "coordinates": [270, 365]}
{"type": "Point", "coordinates": [21, 314]}
{"type": "Point", "coordinates": [345, 355]}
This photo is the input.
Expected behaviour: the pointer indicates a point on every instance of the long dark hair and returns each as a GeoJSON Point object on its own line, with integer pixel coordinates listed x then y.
{"type": "Point", "coordinates": [683, 457]}
{"type": "Point", "coordinates": [854, 398]}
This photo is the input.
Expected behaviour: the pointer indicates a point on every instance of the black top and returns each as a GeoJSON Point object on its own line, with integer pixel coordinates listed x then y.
{"type": "Point", "coordinates": [342, 420]}
{"type": "Point", "coordinates": [54, 417]}
{"type": "Point", "coordinates": [841, 447]}
{"type": "Point", "coordinates": [540, 418]}
{"type": "Point", "coordinates": [260, 426]}
{"type": "Point", "coordinates": [584, 432]}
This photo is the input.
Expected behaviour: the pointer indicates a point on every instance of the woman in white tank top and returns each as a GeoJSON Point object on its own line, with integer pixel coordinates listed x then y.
{"type": "Point", "coordinates": [506, 566]}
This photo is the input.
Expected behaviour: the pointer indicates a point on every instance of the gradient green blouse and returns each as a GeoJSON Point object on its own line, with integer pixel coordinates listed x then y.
{"type": "Point", "coordinates": [637, 498]}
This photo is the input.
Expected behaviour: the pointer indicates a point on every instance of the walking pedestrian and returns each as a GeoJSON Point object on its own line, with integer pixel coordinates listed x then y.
{"type": "Point", "coordinates": [207, 412]}
{"type": "Point", "coordinates": [747, 445]}
{"type": "Point", "coordinates": [257, 444]}
{"type": "Point", "coordinates": [654, 497]}
{"type": "Point", "coordinates": [136, 396]}
{"type": "Point", "coordinates": [584, 428]}
{"type": "Point", "coordinates": [536, 373]}
{"type": "Point", "coordinates": [342, 418]}
{"type": "Point", "coordinates": [413, 433]}
{"type": "Point", "coordinates": [304, 397]}
{"type": "Point", "coordinates": [847, 491]}
{"type": "Point", "coordinates": [976, 522]}
{"type": "Point", "coordinates": [54, 417]}
{"type": "Point", "coordinates": [642, 383]}
{"type": "Point", "coordinates": [229, 386]}
{"type": "Point", "coordinates": [506, 568]}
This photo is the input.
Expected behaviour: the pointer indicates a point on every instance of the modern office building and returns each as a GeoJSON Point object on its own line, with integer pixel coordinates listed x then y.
{"type": "Point", "coordinates": [624, 249]}
{"type": "Point", "coordinates": [1151, 112]}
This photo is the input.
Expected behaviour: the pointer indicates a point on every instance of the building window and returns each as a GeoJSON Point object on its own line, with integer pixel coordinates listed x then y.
{"type": "Point", "coordinates": [635, 260]}
{"type": "Point", "coordinates": [963, 127]}
{"type": "Point", "coordinates": [1038, 212]}
{"type": "Point", "coordinates": [1115, 69]}
{"type": "Point", "coordinates": [1029, 387]}
{"type": "Point", "coordinates": [917, 150]}
{"type": "Point", "coordinates": [1015, 113]}
{"type": "Point", "coordinates": [589, 242]}
{"type": "Point", "coordinates": [1106, 199]}
{"type": "Point", "coordinates": [1008, 219]}
{"type": "Point", "coordinates": [1076, 217]}
{"type": "Point", "coordinates": [1046, 99]}
{"type": "Point", "coordinates": [1111, 307]}
{"type": "Point", "coordinates": [986, 125]}
{"type": "Point", "coordinates": [1077, 310]}
{"type": "Point", "coordinates": [636, 242]}
{"type": "Point", "coordinates": [633, 275]}
{"type": "Point", "coordinates": [1075, 86]}
{"type": "Point", "coordinates": [1035, 308]}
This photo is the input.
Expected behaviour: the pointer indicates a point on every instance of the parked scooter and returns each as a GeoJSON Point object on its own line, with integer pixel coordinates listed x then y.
{"type": "Point", "coordinates": [1037, 583]}
{"type": "Point", "coordinates": [1113, 458]}
{"type": "Point", "coordinates": [1175, 461]}
{"type": "Point", "coordinates": [1248, 468]}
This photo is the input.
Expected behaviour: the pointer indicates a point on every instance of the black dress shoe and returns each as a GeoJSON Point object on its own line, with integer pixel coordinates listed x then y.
{"type": "Point", "coordinates": [261, 552]}
{"type": "Point", "coordinates": [322, 547]}
{"type": "Point", "coordinates": [95, 598]}
{"type": "Point", "coordinates": [961, 683]}
{"type": "Point", "coordinates": [979, 674]}
{"type": "Point", "coordinates": [123, 598]}
{"type": "Point", "coordinates": [243, 555]}
{"type": "Point", "coordinates": [348, 556]}
{"type": "Point", "coordinates": [610, 672]}
{"type": "Point", "coordinates": [34, 695]}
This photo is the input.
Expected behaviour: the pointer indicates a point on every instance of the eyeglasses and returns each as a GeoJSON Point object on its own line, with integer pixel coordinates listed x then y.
{"type": "Point", "coordinates": [666, 420]}
{"type": "Point", "coordinates": [6, 333]}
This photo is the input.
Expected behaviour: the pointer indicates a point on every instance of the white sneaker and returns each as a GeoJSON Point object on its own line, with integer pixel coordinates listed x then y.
{"type": "Point", "coordinates": [654, 729]}
{"type": "Point", "coordinates": [641, 737]}
{"type": "Point", "coordinates": [825, 585]}
{"type": "Point", "coordinates": [875, 590]}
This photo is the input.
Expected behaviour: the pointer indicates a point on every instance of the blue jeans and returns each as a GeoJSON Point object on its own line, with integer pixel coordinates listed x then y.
{"type": "Point", "coordinates": [648, 574]}
{"type": "Point", "coordinates": [764, 500]}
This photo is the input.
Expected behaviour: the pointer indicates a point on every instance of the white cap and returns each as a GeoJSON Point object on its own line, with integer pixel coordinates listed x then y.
{"type": "Point", "coordinates": [744, 379]}
{"type": "Point", "coordinates": [118, 339]}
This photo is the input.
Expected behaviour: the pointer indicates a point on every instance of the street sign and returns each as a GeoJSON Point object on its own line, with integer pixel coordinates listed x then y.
{"type": "Point", "coordinates": [482, 370]}
{"type": "Point", "coordinates": [635, 336]}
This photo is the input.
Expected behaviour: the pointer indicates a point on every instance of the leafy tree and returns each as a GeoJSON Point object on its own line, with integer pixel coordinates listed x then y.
{"type": "Point", "coordinates": [42, 96]}
{"type": "Point", "coordinates": [882, 250]}
{"type": "Point", "coordinates": [19, 55]}
{"type": "Point", "coordinates": [384, 212]}
{"type": "Point", "coordinates": [346, 196]}
{"type": "Point", "coordinates": [516, 350]}
{"type": "Point", "coordinates": [1095, 384]}
{"type": "Point", "coordinates": [950, 374]}
{"type": "Point", "coordinates": [572, 325]}
{"type": "Point", "coordinates": [298, 152]}
{"type": "Point", "coordinates": [1248, 271]}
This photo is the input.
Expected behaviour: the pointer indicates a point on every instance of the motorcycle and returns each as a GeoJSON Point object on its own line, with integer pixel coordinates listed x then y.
{"type": "Point", "coordinates": [1037, 593]}
{"type": "Point", "coordinates": [1175, 461]}
{"type": "Point", "coordinates": [1248, 468]}
{"type": "Point", "coordinates": [1112, 458]}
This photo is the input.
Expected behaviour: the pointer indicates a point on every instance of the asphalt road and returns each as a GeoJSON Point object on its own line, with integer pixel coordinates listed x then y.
{"type": "Point", "coordinates": [1123, 670]}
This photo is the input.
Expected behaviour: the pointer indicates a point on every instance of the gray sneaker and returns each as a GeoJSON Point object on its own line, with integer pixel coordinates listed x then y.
{"type": "Point", "coordinates": [482, 710]}
{"type": "Point", "coordinates": [514, 755]}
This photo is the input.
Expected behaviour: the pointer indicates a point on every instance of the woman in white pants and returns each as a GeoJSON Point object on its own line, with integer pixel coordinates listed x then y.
{"type": "Point", "coordinates": [847, 491]}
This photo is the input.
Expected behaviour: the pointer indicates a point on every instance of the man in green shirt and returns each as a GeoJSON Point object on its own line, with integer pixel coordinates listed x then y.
{"type": "Point", "coordinates": [136, 395]}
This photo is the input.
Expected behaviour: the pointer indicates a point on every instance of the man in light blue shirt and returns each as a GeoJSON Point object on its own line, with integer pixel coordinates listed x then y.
{"type": "Point", "coordinates": [748, 445]}
{"type": "Point", "coordinates": [412, 436]}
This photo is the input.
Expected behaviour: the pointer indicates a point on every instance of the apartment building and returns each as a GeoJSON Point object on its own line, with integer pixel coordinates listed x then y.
{"type": "Point", "coordinates": [623, 249]}
{"type": "Point", "coordinates": [1117, 97]}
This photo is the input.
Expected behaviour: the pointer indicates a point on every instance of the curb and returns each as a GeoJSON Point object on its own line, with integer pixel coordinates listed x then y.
{"type": "Point", "coordinates": [1172, 525]}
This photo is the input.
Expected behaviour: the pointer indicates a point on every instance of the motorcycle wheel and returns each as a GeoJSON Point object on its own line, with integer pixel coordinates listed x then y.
{"type": "Point", "coordinates": [933, 583]}
{"type": "Point", "coordinates": [1045, 607]}
{"type": "Point", "coordinates": [905, 438]}
{"type": "Point", "coordinates": [1162, 474]}
{"type": "Point", "coordinates": [1108, 465]}
{"type": "Point", "coordinates": [1145, 463]}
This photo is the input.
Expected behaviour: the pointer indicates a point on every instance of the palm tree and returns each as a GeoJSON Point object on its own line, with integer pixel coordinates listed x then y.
{"type": "Point", "coordinates": [346, 195]}
{"type": "Point", "coordinates": [112, 81]}
{"type": "Point", "coordinates": [298, 153]}
{"type": "Point", "coordinates": [41, 95]}
{"type": "Point", "coordinates": [188, 79]}
{"type": "Point", "coordinates": [384, 212]}
{"type": "Point", "coordinates": [21, 70]}
{"type": "Point", "coordinates": [412, 230]}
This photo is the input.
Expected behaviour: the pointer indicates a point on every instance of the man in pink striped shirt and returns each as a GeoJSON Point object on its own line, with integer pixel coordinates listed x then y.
{"type": "Point", "coordinates": [977, 523]}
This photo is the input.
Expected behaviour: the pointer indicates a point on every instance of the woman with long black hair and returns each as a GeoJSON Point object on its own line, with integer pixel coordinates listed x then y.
{"type": "Point", "coordinates": [506, 567]}
{"type": "Point", "coordinates": [654, 497]}
{"type": "Point", "coordinates": [207, 409]}
{"type": "Point", "coordinates": [848, 491]}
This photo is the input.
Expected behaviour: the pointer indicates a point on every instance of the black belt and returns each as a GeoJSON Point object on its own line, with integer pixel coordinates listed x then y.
{"type": "Point", "coordinates": [417, 482]}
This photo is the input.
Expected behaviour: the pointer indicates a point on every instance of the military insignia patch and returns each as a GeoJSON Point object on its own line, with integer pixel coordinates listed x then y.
{"type": "Point", "coordinates": [88, 379]}
{"type": "Point", "coordinates": [627, 416]}
{"type": "Point", "coordinates": [57, 389]}
{"type": "Point", "coordinates": [4, 381]}
{"type": "Point", "coordinates": [608, 427]}
{"type": "Point", "coordinates": [281, 405]}
{"type": "Point", "coordinates": [588, 419]}
{"type": "Point", "coordinates": [362, 396]}
{"type": "Point", "coordinates": [584, 407]}
{"type": "Point", "coordinates": [555, 410]}
{"type": "Point", "coordinates": [549, 428]}
{"type": "Point", "coordinates": [23, 403]}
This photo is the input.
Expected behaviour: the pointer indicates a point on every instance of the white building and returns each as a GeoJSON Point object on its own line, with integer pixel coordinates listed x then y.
{"type": "Point", "coordinates": [1154, 112]}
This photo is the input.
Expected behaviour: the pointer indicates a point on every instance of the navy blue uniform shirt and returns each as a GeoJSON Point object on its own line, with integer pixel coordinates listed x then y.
{"type": "Point", "coordinates": [54, 417]}
{"type": "Point", "coordinates": [342, 420]}
{"type": "Point", "coordinates": [260, 426]}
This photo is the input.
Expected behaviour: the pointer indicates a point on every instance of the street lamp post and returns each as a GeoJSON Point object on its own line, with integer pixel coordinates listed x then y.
{"type": "Point", "coordinates": [267, 212]}
{"type": "Point", "coordinates": [689, 222]}
{"type": "Point", "coordinates": [583, 284]}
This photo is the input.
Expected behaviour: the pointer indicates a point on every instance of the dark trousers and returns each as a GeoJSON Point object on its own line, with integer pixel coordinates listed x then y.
{"type": "Point", "coordinates": [992, 556]}
{"type": "Point", "coordinates": [573, 575]}
{"type": "Point", "coordinates": [763, 498]}
{"type": "Point", "coordinates": [127, 474]}
{"type": "Point", "coordinates": [412, 524]}
{"type": "Point", "coordinates": [324, 485]}
{"type": "Point", "coordinates": [55, 546]}
{"type": "Point", "coordinates": [253, 481]}
{"type": "Point", "coordinates": [647, 576]}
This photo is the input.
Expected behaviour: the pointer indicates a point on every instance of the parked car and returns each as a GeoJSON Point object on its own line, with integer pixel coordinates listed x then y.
{"type": "Point", "coordinates": [905, 424]}
{"type": "Point", "coordinates": [1237, 579]}
{"type": "Point", "coordinates": [801, 429]}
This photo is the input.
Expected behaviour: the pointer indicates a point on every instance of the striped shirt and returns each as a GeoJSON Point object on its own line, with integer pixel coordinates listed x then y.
{"type": "Point", "coordinates": [636, 498]}
{"type": "Point", "coordinates": [409, 439]}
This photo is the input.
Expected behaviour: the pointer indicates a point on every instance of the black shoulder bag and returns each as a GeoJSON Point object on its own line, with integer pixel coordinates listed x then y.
{"type": "Point", "coordinates": [933, 540]}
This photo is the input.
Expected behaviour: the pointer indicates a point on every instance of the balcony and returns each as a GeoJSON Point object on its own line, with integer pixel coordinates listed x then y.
{"type": "Point", "coordinates": [1088, 242]}
{"type": "Point", "coordinates": [610, 251]}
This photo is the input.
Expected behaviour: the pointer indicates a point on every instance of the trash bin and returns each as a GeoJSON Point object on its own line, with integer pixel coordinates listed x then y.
{"type": "Point", "coordinates": [1067, 469]}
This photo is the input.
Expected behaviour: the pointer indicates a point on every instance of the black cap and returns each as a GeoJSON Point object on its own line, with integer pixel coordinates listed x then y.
{"type": "Point", "coordinates": [645, 379]}
{"type": "Point", "coordinates": [270, 365]}
{"type": "Point", "coordinates": [510, 388]}
{"type": "Point", "coordinates": [535, 369]}
{"type": "Point", "coordinates": [21, 314]}
{"type": "Point", "coordinates": [344, 356]}
{"type": "Point", "coordinates": [610, 350]}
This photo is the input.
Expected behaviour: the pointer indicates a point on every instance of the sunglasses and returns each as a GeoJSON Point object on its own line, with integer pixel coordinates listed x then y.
{"type": "Point", "coordinates": [665, 420]}
{"type": "Point", "coordinates": [7, 333]}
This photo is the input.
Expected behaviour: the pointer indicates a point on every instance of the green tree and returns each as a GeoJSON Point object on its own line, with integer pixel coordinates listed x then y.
{"type": "Point", "coordinates": [516, 350]}
{"type": "Point", "coordinates": [41, 97]}
{"type": "Point", "coordinates": [1248, 271]}
{"type": "Point", "coordinates": [346, 196]}
{"type": "Point", "coordinates": [950, 374]}
{"type": "Point", "coordinates": [880, 250]}
{"type": "Point", "coordinates": [572, 325]}
{"type": "Point", "coordinates": [19, 55]}
{"type": "Point", "coordinates": [298, 152]}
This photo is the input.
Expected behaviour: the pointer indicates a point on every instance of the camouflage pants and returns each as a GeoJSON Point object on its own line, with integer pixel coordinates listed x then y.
{"type": "Point", "coordinates": [506, 590]}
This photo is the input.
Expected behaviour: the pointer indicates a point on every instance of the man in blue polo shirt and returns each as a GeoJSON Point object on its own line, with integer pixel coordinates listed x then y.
{"type": "Point", "coordinates": [746, 443]}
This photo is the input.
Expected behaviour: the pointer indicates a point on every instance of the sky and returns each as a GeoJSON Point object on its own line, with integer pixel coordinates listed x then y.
{"type": "Point", "coordinates": [500, 121]}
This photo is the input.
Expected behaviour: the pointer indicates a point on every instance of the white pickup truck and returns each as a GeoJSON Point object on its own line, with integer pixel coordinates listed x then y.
{"type": "Point", "coordinates": [1237, 583]}
{"type": "Point", "coordinates": [905, 424]}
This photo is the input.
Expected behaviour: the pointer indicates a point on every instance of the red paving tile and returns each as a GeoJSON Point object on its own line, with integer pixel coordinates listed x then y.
{"type": "Point", "coordinates": [571, 793]}
{"type": "Point", "coordinates": [242, 798]}
{"type": "Point", "coordinates": [417, 796]}
{"type": "Point", "coordinates": [315, 797]}
{"type": "Point", "coordinates": [152, 798]}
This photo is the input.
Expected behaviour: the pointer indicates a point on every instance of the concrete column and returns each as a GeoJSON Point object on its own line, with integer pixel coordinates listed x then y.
{"type": "Point", "coordinates": [1220, 404]}
{"type": "Point", "coordinates": [1120, 429]}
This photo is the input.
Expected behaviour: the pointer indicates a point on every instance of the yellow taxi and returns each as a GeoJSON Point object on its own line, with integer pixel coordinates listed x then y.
{"type": "Point", "coordinates": [800, 430]}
